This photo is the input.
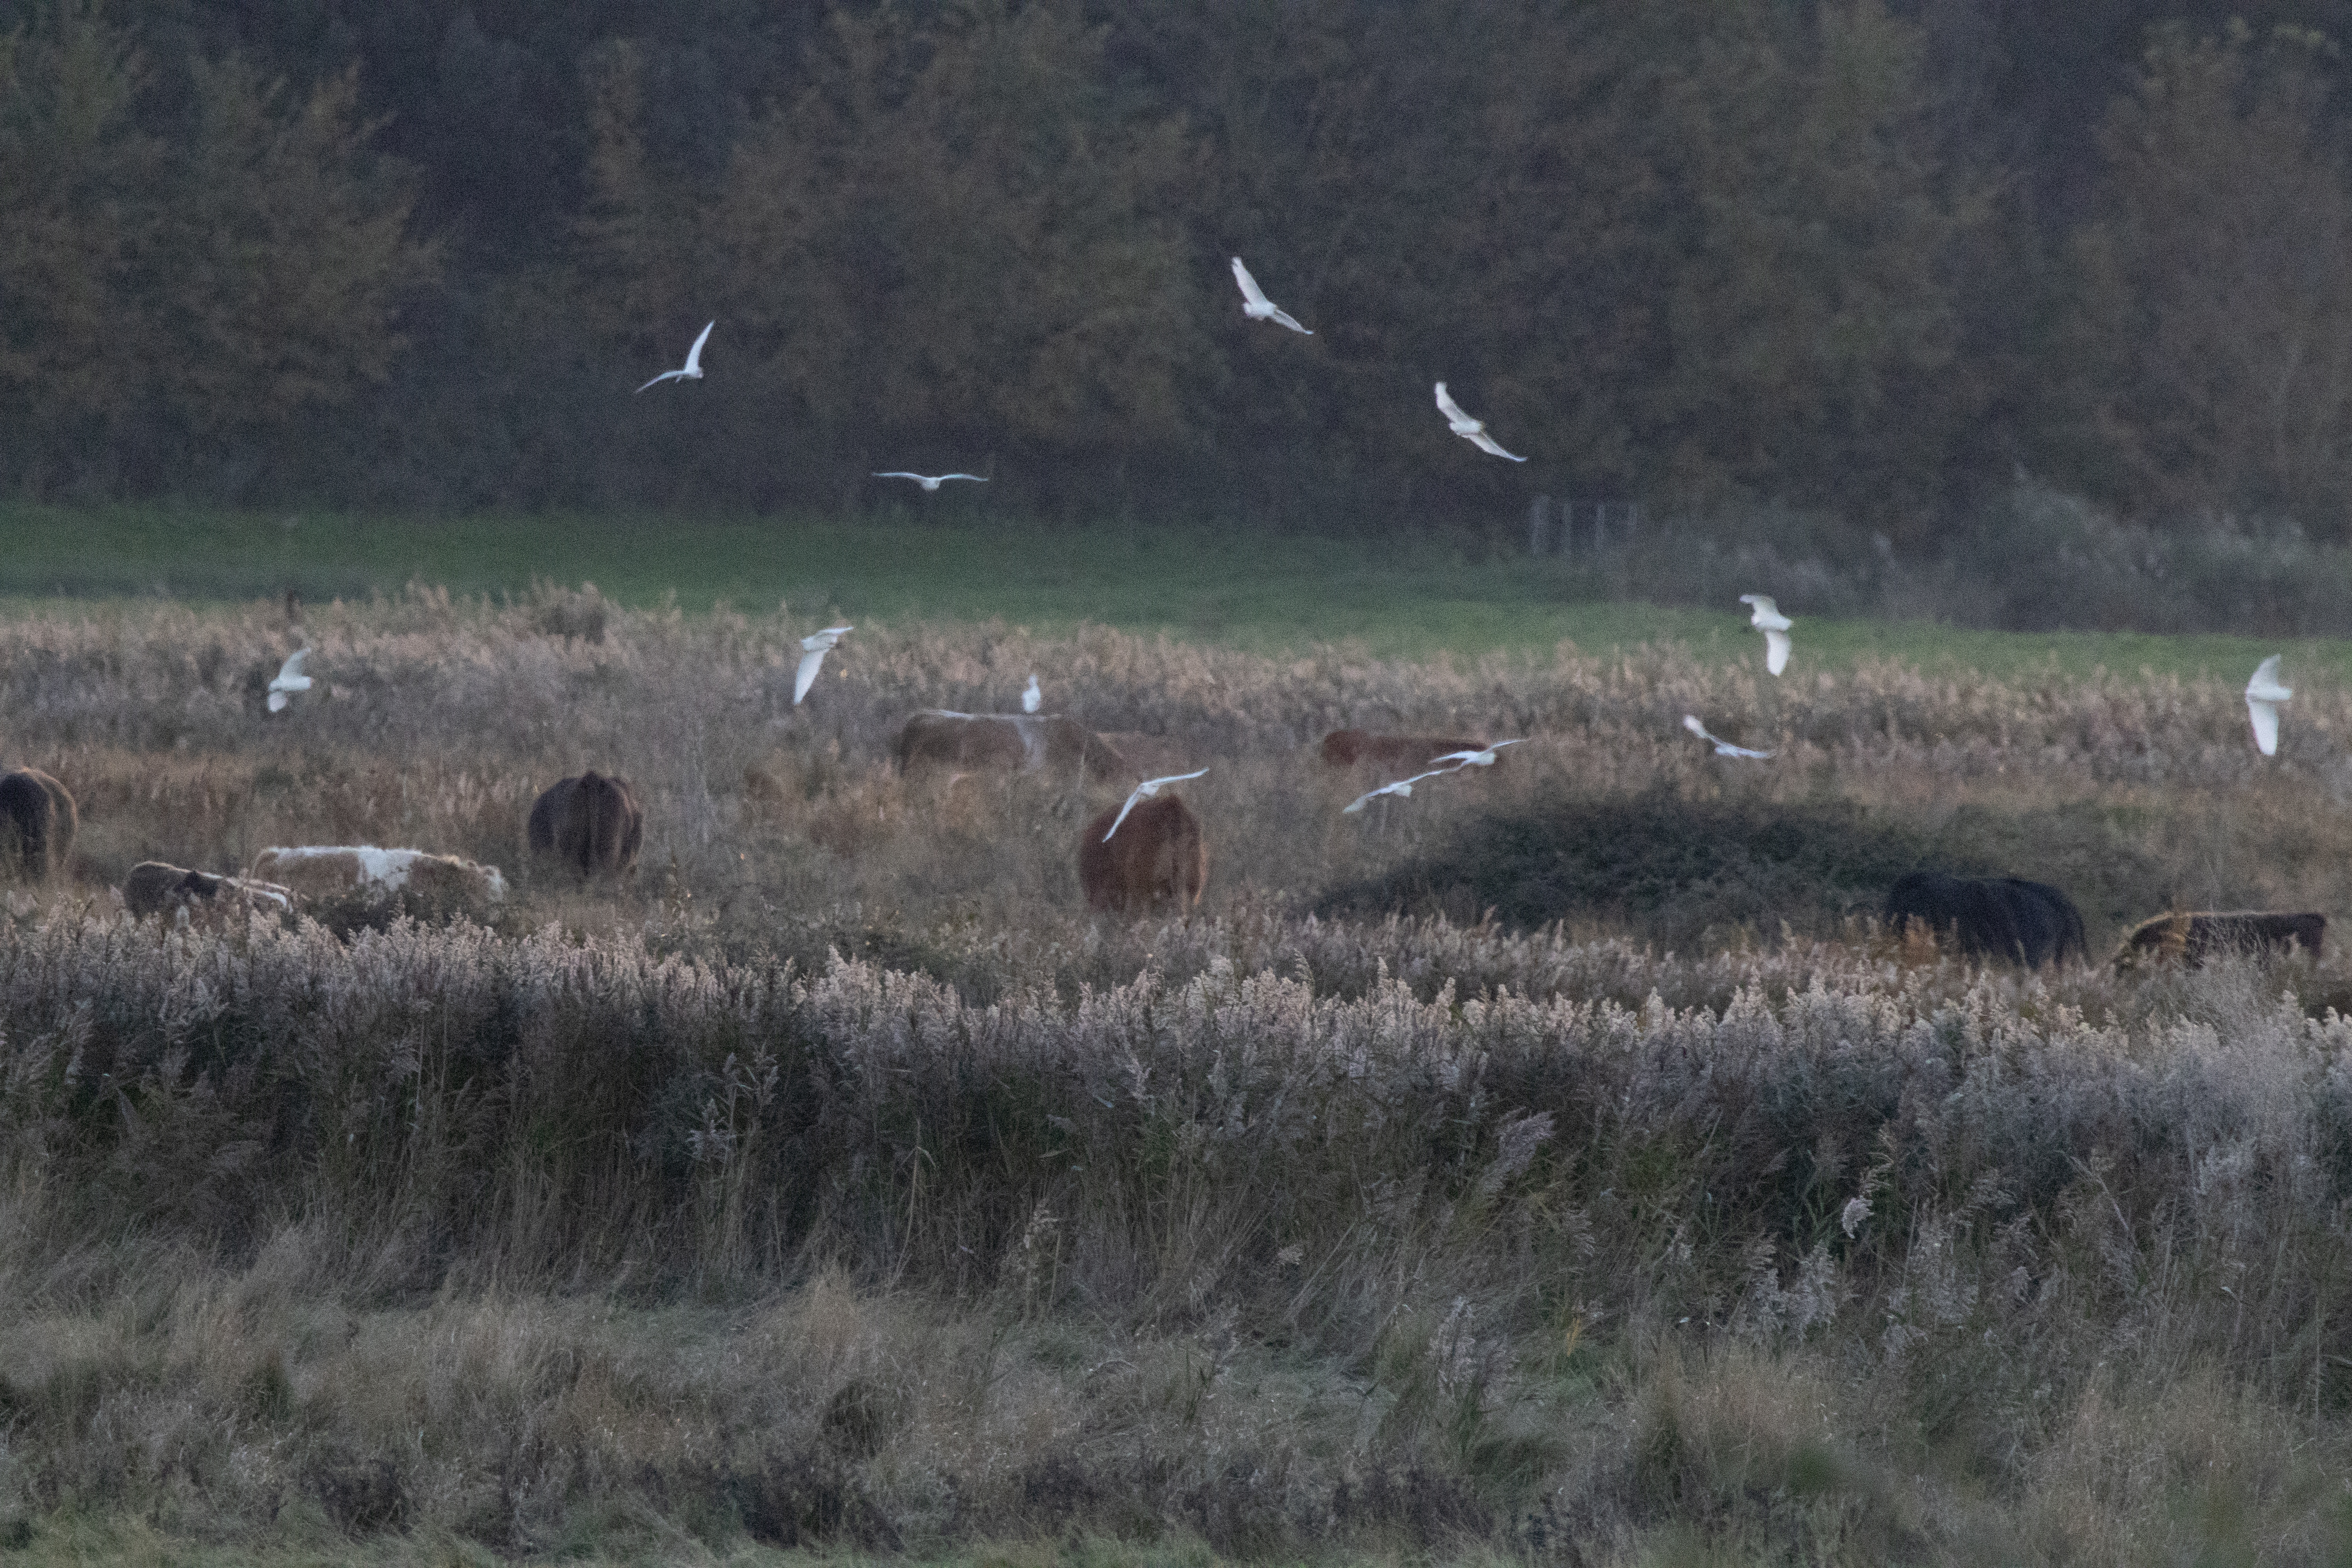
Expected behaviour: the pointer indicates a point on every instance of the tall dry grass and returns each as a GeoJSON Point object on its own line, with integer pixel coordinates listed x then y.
{"type": "Point", "coordinates": [838, 1182]}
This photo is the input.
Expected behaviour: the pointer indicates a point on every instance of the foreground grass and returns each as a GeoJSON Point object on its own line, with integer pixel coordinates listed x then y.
{"type": "Point", "coordinates": [1259, 592]}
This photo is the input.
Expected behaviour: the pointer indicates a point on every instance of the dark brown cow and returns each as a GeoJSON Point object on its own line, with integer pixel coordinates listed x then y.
{"type": "Point", "coordinates": [1156, 859]}
{"type": "Point", "coordinates": [37, 821]}
{"type": "Point", "coordinates": [154, 886]}
{"type": "Point", "coordinates": [1393, 753]}
{"type": "Point", "coordinates": [1012, 743]}
{"type": "Point", "coordinates": [2196, 936]}
{"type": "Point", "coordinates": [591, 823]}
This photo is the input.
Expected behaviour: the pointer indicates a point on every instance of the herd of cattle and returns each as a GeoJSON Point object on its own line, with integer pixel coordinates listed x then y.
{"type": "Point", "coordinates": [1149, 855]}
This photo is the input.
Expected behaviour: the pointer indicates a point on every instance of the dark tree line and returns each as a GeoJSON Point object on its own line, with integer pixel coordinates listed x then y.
{"type": "Point", "coordinates": [1853, 256]}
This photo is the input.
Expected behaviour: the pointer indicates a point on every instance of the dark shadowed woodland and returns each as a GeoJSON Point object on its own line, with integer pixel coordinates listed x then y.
{"type": "Point", "coordinates": [1862, 259]}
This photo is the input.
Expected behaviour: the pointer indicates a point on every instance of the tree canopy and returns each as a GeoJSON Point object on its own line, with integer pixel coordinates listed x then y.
{"type": "Point", "coordinates": [1860, 257]}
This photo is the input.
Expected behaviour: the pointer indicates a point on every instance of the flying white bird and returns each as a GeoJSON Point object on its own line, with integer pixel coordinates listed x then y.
{"type": "Point", "coordinates": [929, 482]}
{"type": "Point", "coordinates": [817, 644]}
{"type": "Point", "coordinates": [1032, 699]}
{"type": "Point", "coordinates": [1256, 306]}
{"type": "Point", "coordinates": [1471, 430]}
{"type": "Point", "coordinates": [693, 368]}
{"type": "Point", "coordinates": [1723, 748]}
{"type": "Point", "coordinates": [1144, 792]}
{"type": "Point", "coordinates": [1775, 625]}
{"type": "Point", "coordinates": [1474, 759]}
{"type": "Point", "coordinates": [1400, 787]}
{"type": "Point", "coordinates": [291, 679]}
{"type": "Point", "coordinates": [2263, 694]}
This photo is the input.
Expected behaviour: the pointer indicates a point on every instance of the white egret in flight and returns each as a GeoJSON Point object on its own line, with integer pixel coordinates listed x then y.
{"type": "Point", "coordinates": [817, 645]}
{"type": "Point", "coordinates": [1723, 748]}
{"type": "Point", "coordinates": [1256, 306]}
{"type": "Point", "coordinates": [1471, 430]}
{"type": "Point", "coordinates": [1145, 791]}
{"type": "Point", "coordinates": [1775, 625]}
{"type": "Point", "coordinates": [290, 679]}
{"type": "Point", "coordinates": [2263, 695]}
{"type": "Point", "coordinates": [692, 370]}
{"type": "Point", "coordinates": [929, 482]}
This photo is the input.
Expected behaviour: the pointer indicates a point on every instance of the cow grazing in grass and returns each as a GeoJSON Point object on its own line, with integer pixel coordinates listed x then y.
{"type": "Point", "coordinates": [1157, 860]}
{"type": "Point", "coordinates": [155, 887]}
{"type": "Point", "coordinates": [1391, 753]}
{"type": "Point", "coordinates": [2006, 918]}
{"type": "Point", "coordinates": [343, 871]}
{"type": "Point", "coordinates": [1005, 743]}
{"type": "Point", "coordinates": [37, 823]}
{"type": "Point", "coordinates": [591, 824]}
{"type": "Point", "coordinates": [2195, 936]}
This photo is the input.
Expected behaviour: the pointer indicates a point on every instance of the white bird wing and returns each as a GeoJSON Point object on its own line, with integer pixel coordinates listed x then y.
{"type": "Point", "coordinates": [1278, 314]}
{"type": "Point", "coordinates": [817, 642]}
{"type": "Point", "coordinates": [1764, 608]}
{"type": "Point", "coordinates": [2265, 683]}
{"type": "Point", "coordinates": [1250, 290]}
{"type": "Point", "coordinates": [1485, 443]}
{"type": "Point", "coordinates": [1400, 787]}
{"type": "Point", "coordinates": [1145, 791]}
{"type": "Point", "coordinates": [693, 354]}
{"type": "Point", "coordinates": [2265, 717]}
{"type": "Point", "coordinates": [1776, 649]}
{"type": "Point", "coordinates": [666, 375]}
{"type": "Point", "coordinates": [277, 701]}
{"type": "Point", "coordinates": [1151, 786]}
{"type": "Point", "coordinates": [292, 668]}
{"type": "Point", "coordinates": [1452, 411]}
{"type": "Point", "coordinates": [902, 474]}
{"type": "Point", "coordinates": [976, 479]}
{"type": "Point", "coordinates": [807, 676]}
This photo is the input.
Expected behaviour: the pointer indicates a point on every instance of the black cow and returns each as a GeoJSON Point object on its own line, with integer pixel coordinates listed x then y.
{"type": "Point", "coordinates": [38, 820]}
{"type": "Point", "coordinates": [591, 823]}
{"type": "Point", "coordinates": [2006, 918]}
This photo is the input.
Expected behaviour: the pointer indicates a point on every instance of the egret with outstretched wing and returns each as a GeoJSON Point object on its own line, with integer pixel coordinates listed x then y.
{"type": "Point", "coordinates": [1146, 790]}
{"type": "Point", "coordinates": [1256, 306]}
{"type": "Point", "coordinates": [692, 370]}
{"type": "Point", "coordinates": [289, 679]}
{"type": "Point", "coordinates": [2263, 695]}
{"type": "Point", "coordinates": [1775, 625]}
{"type": "Point", "coordinates": [1471, 430]}
{"type": "Point", "coordinates": [1723, 748]}
{"type": "Point", "coordinates": [817, 645]}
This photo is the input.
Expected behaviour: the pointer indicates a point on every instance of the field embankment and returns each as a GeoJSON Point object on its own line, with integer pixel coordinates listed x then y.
{"type": "Point", "coordinates": [838, 1182]}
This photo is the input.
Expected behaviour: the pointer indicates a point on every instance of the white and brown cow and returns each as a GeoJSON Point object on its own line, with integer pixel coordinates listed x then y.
{"type": "Point", "coordinates": [340, 870]}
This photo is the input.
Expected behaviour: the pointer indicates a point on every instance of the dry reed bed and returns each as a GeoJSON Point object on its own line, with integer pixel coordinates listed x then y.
{"type": "Point", "coordinates": [839, 1181]}
{"type": "Point", "coordinates": [1431, 1195]}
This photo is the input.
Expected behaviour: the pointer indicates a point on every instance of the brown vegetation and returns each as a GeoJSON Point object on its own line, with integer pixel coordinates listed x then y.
{"type": "Point", "coordinates": [844, 1182]}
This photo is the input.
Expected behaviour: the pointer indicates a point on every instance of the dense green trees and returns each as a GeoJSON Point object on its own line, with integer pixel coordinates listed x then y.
{"type": "Point", "coordinates": [1860, 256]}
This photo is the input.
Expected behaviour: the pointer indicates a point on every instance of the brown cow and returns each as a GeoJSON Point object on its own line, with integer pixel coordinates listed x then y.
{"type": "Point", "coordinates": [37, 821]}
{"type": "Point", "coordinates": [1393, 753]}
{"type": "Point", "coordinates": [591, 823]}
{"type": "Point", "coordinates": [1015, 742]}
{"type": "Point", "coordinates": [1156, 858]}
{"type": "Point", "coordinates": [153, 887]}
{"type": "Point", "coordinates": [2195, 937]}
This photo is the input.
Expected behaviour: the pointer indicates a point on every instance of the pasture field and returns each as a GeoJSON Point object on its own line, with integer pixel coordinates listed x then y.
{"type": "Point", "coordinates": [1556, 1167]}
{"type": "Point", "coordinates": [954, 561]}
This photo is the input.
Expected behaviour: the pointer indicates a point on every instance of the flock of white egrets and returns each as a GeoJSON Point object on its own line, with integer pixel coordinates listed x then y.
{"type": "Point", "coordinates": [1255, 305]}
{"type": "Point", "coordinates": [2263, 692]}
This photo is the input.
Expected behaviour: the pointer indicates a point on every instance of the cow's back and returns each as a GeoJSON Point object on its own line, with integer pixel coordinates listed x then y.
{"type": "Point", "coordinates": [591, 823]}
{"type": "Point", "coordinates": [1159, 858]}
